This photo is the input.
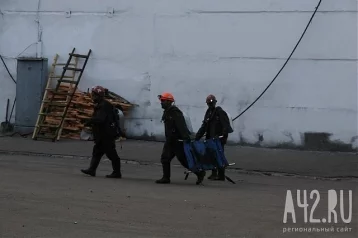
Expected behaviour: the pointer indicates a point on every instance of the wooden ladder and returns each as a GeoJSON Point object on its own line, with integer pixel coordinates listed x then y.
{"type": "Point", "coordinates": [48, 87]}
{"type": "Point", "coordinates": [46, 127]}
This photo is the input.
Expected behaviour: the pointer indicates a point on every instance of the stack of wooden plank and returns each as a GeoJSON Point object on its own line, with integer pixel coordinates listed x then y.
{"type": "Point", "coordinates": [80, 110]}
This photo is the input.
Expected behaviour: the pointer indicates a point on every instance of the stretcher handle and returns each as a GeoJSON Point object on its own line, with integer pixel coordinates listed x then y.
{"type": "Point", "coordinates": [218, 137]}
{"type": "Point", "coordinates": [188, 171]}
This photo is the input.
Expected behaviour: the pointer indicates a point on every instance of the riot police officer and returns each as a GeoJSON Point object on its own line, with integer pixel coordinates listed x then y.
{"type": "Point", "coordinates": [175, 130]}
{"type": "Point", "coordinates": [104, 133]}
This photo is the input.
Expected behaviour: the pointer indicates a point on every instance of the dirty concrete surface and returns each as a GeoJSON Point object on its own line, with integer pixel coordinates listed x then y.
{"type": "Point", "coordinates": [305, 163]}
{"type": "Point", "coordinates": [49, 197]}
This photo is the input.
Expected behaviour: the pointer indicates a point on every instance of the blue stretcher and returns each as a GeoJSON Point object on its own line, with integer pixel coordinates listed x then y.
{"type": "Point", "coordinates": [205, 155]}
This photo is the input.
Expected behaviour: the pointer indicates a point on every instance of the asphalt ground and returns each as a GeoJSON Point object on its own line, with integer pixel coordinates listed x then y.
{"type": "Point", "coordinates": [246, 159]}
{"type": "Point", "coordinates": [49, 197]}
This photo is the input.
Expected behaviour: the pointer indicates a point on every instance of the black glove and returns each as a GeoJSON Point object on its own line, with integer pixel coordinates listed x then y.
{"type": "Point", "coordinates": [187, 139]}
{"type": "Point", "coordinates": [123, 134]}
{"type": "Point", "coordinates": [224, 139]}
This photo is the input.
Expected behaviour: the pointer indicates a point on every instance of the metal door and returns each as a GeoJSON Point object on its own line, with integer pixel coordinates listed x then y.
{"type": "Point", "coordinates": [30, 86]}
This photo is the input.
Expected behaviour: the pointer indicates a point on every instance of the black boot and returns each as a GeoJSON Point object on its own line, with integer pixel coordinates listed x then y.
{"type": "Point", "coordinates": [163, 180]}
{"type": "Point", "coordinates": [221, 174]}
{"type": "Point", "coordinates": [213, 175]}
{"type": "Point", "coordinates": [166, 175]}
{"type": "Point", "coordinates": [93, 167]}
{"type": "Point", "coordinates": [201, 176]}
{"type": "Point", "coordinates": [114, 175]}
{"type": "Point", "coordinates": [89, 172]}
{"type": "Point", "coordinates": [116, 165]}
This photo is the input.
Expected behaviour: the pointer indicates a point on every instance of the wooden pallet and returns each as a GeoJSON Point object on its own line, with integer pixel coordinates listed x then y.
{"type": "Point", "coordinates": [50, 124]}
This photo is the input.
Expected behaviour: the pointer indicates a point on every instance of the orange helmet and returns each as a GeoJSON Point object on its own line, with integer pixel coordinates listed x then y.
{"type": "Point", "coordinates": [166, 97]}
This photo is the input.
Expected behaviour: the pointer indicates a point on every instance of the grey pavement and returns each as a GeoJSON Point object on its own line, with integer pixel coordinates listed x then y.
{"type": "Point", "coordinates": [46, 197]}
{"type": "Point", "coordinates": [304, 163]}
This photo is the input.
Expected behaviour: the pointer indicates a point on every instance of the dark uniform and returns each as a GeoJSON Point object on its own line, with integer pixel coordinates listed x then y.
{"type": "Point", "coordinates": [104, 139]}
{"type": "Point", "coordinates": [216, 123]}
{"type": "Point", "coordinates": [175, 129]}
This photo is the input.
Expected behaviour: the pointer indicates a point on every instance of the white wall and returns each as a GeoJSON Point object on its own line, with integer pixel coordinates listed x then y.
{"type": "Point", "coordinates": [229, 48]}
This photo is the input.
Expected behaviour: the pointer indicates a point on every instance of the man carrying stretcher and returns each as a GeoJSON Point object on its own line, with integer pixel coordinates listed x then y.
{"type": "Point", "coordinates": [215, 124]}
{"type": "Point", "coordinates": [176, 131]}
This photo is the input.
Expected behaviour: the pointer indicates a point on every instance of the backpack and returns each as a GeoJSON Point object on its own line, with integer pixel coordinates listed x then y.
{"type": "Point", "coordinates": [228, 121]}
{"type": "Point", "coordinates": [229, 118]}
{"type": "Point", "coordinates": [188, 122]}
{"type": "Point", "coordinates": [116, 123]}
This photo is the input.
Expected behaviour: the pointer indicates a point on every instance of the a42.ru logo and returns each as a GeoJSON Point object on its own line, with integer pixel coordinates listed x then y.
{"type": "Point", "coordinates": [314, 195]}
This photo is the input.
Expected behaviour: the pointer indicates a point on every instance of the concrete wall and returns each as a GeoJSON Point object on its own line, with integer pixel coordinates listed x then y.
{"type": "Point", "coordinates": [231, 48]}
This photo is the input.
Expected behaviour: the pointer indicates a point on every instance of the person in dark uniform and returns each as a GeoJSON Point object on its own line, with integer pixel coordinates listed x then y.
{"type": "Point", "coordinates": [175, 130]}
{"type": "Point", "coordinates": [102, 123]}
{"type": "Point", "coordinates": [216, 123]}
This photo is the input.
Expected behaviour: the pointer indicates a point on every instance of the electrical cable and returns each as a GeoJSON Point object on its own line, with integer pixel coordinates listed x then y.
{"type": "Point", "coordinates": [279, 72]}
{"type": "Point", "coordinates": [13, 105]}
{"type": "Point", "coordinates": [284, 65]}
{"type": "Point", "coordinates": [7, 69]}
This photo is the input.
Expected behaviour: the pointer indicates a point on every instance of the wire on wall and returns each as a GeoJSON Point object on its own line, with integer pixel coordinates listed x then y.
{"type": "Point", "coordinates": [39, 38]}
{"type": "Point", "coordinates": [284, 65]}
{"type": "Point", "coordinates": [7, 69]}
{"type": "Point", "coordinates": [13, 105]}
